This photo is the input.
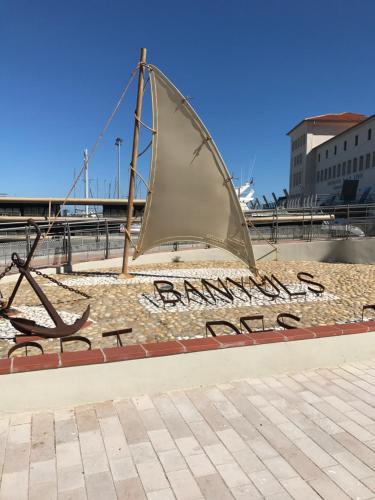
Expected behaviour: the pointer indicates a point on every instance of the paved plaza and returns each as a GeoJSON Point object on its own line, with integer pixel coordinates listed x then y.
{"type": "Point", "coordinates": [306, 436]}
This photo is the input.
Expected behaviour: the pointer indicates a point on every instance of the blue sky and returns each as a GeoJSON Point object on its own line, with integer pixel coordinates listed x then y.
{"type": "Point", "coordinates": [253, 68]}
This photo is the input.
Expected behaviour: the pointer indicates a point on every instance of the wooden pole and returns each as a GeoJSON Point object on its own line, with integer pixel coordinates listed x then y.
{"type": "Point", "coordinates": [138, 112]}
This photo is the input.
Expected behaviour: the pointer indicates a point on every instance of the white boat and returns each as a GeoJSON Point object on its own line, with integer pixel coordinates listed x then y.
{"type": "Point", "coordinates": [246, 194]}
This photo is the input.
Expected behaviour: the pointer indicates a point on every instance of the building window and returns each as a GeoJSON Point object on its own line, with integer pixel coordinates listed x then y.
{"type": "Point", "coordinates": [373, 159]}
{"type": "Point", "coordinates": [334, 171]}
{"type": "Point", "coordinates": [339, 170]}
{"type": "Point", "coordinates": [326, 153]}
{"type": "Point", "coordinates": [369, 133]}
{"type": "Point", "coordinates": [329, 172]}
{"type": "Point", "coordinates": [360, 163]}
{"type": "Point", "coordinates": [335, 150]}
{"type": "Point", "coordinates": [343, 167]}
{"type": "Point", "coordinates": [345, 145]}
{"type": "Point", "coordinates": [319, 157]}
{"type": "Point", "coordinates": [356, 140]}
{"type": "Point", "coordinates": [355, 161]}
{"type": "Point", "coordinates": [318, 176]}
{"type": "Point", "coordinates": [325, 173]}
{"type": "Point", "coordinates": [349, 171]}
{"type": "Point", "coordinates": [368, 160]}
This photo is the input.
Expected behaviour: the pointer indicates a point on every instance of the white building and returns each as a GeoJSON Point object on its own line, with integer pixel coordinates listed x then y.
{"type": "Point", "coordinates": [333, 159]}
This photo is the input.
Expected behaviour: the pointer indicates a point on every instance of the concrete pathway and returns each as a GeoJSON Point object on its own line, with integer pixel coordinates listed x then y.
{"type": "Point", "coordinates": [305, 436]}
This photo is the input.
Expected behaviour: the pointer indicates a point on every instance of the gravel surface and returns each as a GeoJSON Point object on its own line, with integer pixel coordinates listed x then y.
{"type": "Point", "coordinates": [119, 303]}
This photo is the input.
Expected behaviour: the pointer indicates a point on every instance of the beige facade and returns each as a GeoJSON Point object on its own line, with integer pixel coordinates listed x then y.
{"type": "Point", "coordinates": [328, 150]}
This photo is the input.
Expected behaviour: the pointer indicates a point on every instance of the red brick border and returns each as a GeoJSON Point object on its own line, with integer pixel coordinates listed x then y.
{"type": "Point", "coordinates": [157, 349]}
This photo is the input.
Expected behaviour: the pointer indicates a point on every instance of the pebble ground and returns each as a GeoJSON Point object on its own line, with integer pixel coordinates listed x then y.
{"type": "Point", "coordinates": [115, 307]}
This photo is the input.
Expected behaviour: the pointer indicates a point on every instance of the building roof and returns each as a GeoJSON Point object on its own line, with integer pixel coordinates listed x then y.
{"type": "Point", "coordinates": [345, 117]}
{"type": "Point", "coordinates": [371, 117]}
{"type": "Point", "coordinates": [338, 117]}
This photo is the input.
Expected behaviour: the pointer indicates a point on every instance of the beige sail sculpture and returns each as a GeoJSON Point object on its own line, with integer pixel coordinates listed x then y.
{"type": "Point", "coordinates": [191, 196]}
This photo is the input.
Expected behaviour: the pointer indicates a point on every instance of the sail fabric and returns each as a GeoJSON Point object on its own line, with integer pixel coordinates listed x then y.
{"type": "Point", "coordinates": [191, 196]}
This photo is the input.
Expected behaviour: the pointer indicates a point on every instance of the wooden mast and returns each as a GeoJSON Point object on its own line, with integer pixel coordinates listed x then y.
{"type": "Point", "coordinates": [133, 165]}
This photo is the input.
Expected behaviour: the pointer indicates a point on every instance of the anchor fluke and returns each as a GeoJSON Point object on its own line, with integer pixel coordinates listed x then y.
{"type": "Point", "coordinates": [30, 327]}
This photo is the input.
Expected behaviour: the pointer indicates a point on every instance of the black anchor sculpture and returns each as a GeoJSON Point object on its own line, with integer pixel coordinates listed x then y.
{"type": "Point", "coordinates": [30, 327]}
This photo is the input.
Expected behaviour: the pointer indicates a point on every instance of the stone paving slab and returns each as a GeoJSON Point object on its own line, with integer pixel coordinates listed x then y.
{"type": "Point", "coordinates": [306, 435]}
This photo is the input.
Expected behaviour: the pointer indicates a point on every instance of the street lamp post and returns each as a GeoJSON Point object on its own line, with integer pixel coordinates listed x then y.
{"type": "Point", "coordinates": [118, 143]}
{"type": "Point", "coordinates": [86, 163]}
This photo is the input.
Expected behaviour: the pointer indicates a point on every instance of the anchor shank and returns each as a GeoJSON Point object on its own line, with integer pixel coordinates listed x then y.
{"type": "Point", "coordinates": [15, 290]}
{"type": "Point", "coordinates": [42, 297]}
{"type": "Point", "coordinates": [26, 264]}
{"type": "Point", "coordinates": [35, 244]}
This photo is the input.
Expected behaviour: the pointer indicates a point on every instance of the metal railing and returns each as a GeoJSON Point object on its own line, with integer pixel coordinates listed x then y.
{"type": "Point", "coordinates": [305, 223]}
{"type": "Point", "coordinates": [71, 242]}
{"type": "Point", "coordinates": [95, 239]}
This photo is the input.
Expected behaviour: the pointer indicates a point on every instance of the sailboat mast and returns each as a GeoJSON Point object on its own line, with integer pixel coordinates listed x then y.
{"type": "Point", "coordinates": [133, 165]}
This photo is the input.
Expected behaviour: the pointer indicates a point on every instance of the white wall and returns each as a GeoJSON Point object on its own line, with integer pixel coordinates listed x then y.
{"type": "Point", "coordinates": [317, 135]}
{"type": "Point", "coordinates": [366, 176]}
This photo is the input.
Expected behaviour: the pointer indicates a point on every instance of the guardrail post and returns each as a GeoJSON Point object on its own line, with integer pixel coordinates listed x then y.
{"type": "Point", "coordinates": [272, 237]}
{"type": "Point", "coordinates": [69, 248]}
{"type": "Point", "coordinates": [106, 254]}
{"type": "Point", "coordinates": [64, 245]}
{"type": "Point", "coordinates": [28, 245]}
{"type": "Point", "coordinates": [347, 221]}
{"type": "Point", "coordinates": [277, 225]}
{"type": "Point", "coordinates": [303, 223]}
